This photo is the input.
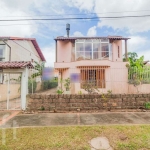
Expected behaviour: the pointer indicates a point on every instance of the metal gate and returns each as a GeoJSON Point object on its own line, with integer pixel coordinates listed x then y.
{"type": "Point", "coordinates": [10, 91]}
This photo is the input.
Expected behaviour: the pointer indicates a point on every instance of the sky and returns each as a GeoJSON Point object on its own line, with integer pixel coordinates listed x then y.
{"type": "Point", "coordinates": [138, 29]}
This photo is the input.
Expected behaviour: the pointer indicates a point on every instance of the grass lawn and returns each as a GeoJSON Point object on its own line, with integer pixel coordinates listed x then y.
{"type": "Point", "coordinates": [77, 137]}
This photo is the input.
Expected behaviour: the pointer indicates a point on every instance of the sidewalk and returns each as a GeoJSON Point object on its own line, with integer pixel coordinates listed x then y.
{"type": "Point", "coordinates": [68, 119]}
{"type": "Point", "coordinates": [7, 115]}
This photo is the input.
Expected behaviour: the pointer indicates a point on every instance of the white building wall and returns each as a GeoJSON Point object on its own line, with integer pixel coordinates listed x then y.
{"type": "Point", "coordinates": [22, 51]}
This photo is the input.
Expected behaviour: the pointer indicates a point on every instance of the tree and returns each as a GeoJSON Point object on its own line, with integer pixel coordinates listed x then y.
{"type": "Point", "coordinates": [131, 55]}
{"type": "Point", "coordinates": [39, 69]}
{"type": "Point", "coordinates": [134, 62]}
{"type": "Point", "coordinates": [135, 69]}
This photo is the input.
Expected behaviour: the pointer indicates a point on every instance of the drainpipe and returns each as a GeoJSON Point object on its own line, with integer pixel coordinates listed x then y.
{"type": "Point", "coordinates": [9, 51]}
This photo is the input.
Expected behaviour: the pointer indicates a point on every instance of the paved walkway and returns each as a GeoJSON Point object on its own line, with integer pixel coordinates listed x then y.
{"type": "Point", "coordinates": [50, 91]}
{"type": "Point", "coordinates": [54, 119]}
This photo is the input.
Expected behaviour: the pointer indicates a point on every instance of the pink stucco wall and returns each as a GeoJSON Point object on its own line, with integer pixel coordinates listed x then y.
{"type": "Point", "coordinates": [115, 46]}
{"type": "Point", "coordinates": [64, 51]}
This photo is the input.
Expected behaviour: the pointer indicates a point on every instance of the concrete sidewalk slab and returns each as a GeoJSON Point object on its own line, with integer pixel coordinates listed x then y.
{"type": "Point", "coordinates": [7, 115]}
{"type": "Point", "coordinates": [67, 119]}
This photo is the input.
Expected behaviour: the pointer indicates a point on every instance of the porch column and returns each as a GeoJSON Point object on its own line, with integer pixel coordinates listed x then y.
{"type": "Point", "coordinates": [126, 51]}
{"type": "Point", "coordinates": [24, 88]}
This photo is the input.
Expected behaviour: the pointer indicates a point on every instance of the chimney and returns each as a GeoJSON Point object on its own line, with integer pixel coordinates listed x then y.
{"type": "Point", "coordinates": [68, 29]}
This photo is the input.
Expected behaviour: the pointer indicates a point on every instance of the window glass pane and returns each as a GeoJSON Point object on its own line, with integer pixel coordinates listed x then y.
{"type": "Point", "coordinates": [100, 49]}
{"type": "Point", "coordinates": [88, 47]}
{"type": "Point", "coordinates": [96, 55]}
{"type": "Point", "coordinates": [79, 56]}
{"type": "Point", "coordinates": [104, 50]}
{"type": "Point", "coordinates": [80, 40]}
{"type": "Point", "coordinates": [88, 41]}
{"type": "Point", "coordinates": [88, 55]}
{"type": "Point", "coordinates": [96, 40]}
{"type": "Point", "coordinates": [96, 47]}
{"type": "Point", "coordinates": [2, 52]}
{"type": "Point", "coordinates": [104, 40]}
{"type": "Point", "coordinates": [79, 47]}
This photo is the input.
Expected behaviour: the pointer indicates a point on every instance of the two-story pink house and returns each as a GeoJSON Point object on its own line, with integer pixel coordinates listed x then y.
{"type": "Point", "coordinates": [93, 59]}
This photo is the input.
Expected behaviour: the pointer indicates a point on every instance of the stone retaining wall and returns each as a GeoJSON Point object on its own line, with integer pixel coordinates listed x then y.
{"type": "Point", "coordinates": [86, 102]}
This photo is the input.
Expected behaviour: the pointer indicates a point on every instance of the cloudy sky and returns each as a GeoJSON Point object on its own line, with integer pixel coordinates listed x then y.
{"type": "Point", "coordinates": [138, 29]}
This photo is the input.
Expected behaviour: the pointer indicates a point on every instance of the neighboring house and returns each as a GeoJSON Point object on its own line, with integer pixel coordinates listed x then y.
{"type": "Point", "coordinates": [16, 54]}
{"type": "Point", "coordinates": [20, 49]}
{"type": "Point", "coordinates": [96, 60]}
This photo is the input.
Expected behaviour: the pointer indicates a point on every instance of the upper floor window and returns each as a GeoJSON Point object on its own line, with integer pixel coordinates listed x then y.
{"type": "Point", "coordinates": [2, 52]}
{"type": "Point", "coordinates": [92, 49]}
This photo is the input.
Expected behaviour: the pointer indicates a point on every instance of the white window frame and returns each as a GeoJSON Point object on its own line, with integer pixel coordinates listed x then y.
{"type": "Point", "coordinates": [92, 41]}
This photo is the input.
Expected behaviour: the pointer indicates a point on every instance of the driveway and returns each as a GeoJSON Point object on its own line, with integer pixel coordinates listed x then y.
{"type": "Point", "coordinates": [62, 119]}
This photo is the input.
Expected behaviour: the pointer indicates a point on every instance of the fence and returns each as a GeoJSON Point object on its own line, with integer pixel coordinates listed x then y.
{"type": "Point", "coordinates": [137, 76]}
{"type": "Point", "coordinates": [81, 102]}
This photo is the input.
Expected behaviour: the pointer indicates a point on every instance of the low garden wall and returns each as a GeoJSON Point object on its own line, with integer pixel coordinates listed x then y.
{"type": "Point", "coordinates": [66, 102]}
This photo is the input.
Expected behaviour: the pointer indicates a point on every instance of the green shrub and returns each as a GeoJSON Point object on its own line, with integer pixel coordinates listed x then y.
{"type": "Point", "coordinates": [60, 91]}
{"type": "Point", "coordinates": [147, 105]}
{"type": "Point", "coordinates": [49, 84]}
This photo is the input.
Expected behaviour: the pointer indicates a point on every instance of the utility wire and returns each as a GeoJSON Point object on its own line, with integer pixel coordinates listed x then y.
{"type": "Point", "coordinates": [80, 14]}
{"type": "Point", "coordinates": [77, 18]}
{"type": "Point", "coordinates": [50, 22]}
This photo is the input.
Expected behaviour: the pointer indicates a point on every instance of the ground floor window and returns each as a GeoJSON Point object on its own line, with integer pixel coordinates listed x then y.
{"type": "Point", "coordinates": [96, 77]}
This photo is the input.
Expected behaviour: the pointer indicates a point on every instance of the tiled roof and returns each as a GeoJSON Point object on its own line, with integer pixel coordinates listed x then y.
{"type": "Point", "coordinates": [34, 42]}
{"type": "Point", "coordinates": [98, 37]}
{"type": "Point", "coordinates": [15, 64]}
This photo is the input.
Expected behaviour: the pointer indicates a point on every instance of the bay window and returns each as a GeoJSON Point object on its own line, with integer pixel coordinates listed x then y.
{"type": "Point", "coordinates": [92, 49]}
